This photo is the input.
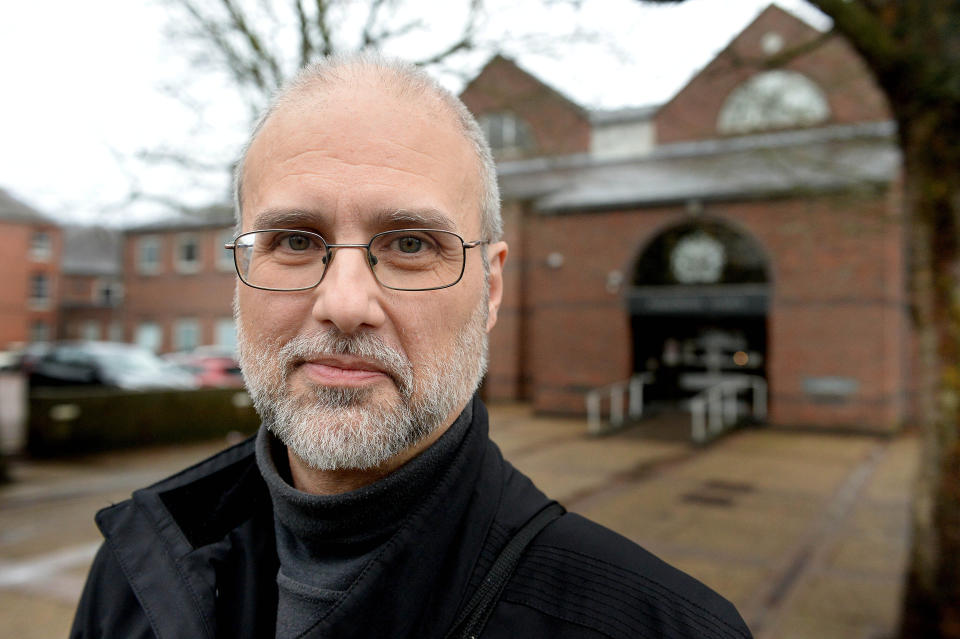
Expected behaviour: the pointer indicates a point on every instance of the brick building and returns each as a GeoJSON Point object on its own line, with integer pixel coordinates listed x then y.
{"type": "Point", "coordinates": [91, 298]}
{"type": "Point", "coordinates": [178, 282]}
{"type": "Point", "coordinates": [30, 268]}
{"type": "Point", "coordinates": [749, 226]}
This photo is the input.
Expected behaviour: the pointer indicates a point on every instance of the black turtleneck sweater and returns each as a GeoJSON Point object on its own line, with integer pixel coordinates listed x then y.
{"type": "Point", "coordinates": [325, 541]}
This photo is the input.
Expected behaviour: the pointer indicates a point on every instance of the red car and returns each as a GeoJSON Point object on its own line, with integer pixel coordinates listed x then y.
{"type": "Point", "coordinates": [210, 371]}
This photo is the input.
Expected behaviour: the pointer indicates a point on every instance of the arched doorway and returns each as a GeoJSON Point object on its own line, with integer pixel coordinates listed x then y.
{"type": "Point", "coordinates": [698, 305]}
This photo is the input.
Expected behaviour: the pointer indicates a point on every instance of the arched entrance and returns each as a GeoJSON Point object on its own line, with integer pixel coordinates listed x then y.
{"type": "Point", "coordinates": [698, 304]}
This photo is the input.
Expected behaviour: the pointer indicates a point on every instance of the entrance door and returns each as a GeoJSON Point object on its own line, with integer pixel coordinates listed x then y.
{"type": "Point", "coordinates": [698, 305]}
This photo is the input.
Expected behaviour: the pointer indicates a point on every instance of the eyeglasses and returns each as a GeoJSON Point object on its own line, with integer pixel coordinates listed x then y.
{"type": "Point", "coordinates": [402, 260]}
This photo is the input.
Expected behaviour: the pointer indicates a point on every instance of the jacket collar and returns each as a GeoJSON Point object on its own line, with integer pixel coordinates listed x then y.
{"type": "Point", "coordinates": [171, 537]}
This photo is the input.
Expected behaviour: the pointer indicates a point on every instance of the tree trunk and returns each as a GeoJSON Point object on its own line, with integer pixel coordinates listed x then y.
{"type": "Point", "coordinates": [932, 188]}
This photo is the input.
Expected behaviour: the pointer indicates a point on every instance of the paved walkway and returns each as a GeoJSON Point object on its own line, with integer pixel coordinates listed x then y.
{"type": "Point", "coordinates": [805, 533]}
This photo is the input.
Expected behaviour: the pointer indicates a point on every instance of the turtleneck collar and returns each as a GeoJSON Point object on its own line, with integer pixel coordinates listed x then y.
{"type": "Point", "coordinates": [327, 523]}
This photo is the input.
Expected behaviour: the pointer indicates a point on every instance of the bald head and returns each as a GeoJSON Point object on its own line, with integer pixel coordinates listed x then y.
{"type": "Point", "coordinates": [316, 83]}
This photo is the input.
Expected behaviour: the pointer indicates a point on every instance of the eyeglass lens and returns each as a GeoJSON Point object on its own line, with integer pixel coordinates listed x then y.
{"type": "Point", "coordinates": [404, 259]}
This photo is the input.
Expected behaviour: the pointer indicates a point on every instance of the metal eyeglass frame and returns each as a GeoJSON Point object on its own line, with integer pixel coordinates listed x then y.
{"type": "Point", "coordinates": [371, 258]}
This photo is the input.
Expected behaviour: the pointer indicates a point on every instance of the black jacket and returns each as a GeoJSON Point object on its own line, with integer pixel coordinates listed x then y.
{"type": "Point", "coordinates": [194, 556]}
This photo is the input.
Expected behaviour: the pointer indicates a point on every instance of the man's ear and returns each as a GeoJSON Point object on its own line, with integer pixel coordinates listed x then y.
{"type": "Point", "coordinates": [497, 255]}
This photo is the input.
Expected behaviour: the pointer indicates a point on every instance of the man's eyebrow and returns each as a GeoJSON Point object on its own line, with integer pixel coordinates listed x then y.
{"type": "Point", "coordinates": [419, 218]}
{"type": "Point", "coordinates": [283, 218]}
{"type": "Point", "coordinates": [396, 218]}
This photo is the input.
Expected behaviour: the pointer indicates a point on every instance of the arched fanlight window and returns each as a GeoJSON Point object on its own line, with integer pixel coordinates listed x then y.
{"type": "Point", "coordinates": [507, 134]}
{"type": "Point", "coordinates": [773, 100]}
{"type": "Point", "coordinates": [701, 252]}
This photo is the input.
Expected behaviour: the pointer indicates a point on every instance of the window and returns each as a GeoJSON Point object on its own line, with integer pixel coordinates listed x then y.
{"type": "Point", "coordinates": [148, 255]}
{"type": "Point", "coordinates": [187, 256]}
{"type": "Point", "coordinates": [39, 291]}
{"type": "Point", "coordinates": [149, 335]}
{"type": "Point", "coordinates": [90, 329]}
{"type": "Point", "coordinates": [107, 292]}
{"type": "Point", "coordinates": [39, 332]}
{"type": "Point", "coordinates": [773, 100]}
{"type": "Point", "coordinates": [40, 246]}
{"type": "Point", "coordinates": [186, 334]}
{"type": "Point", "coordinates": [115, 331]}
{"type": "Point", "coordinates": [224, 257]}
{"type": "Point", "coordinates": [506, 133]}
{"type": "Point", "coordinates": [226, 334]}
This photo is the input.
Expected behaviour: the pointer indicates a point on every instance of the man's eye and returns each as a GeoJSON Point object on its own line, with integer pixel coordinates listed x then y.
{"type": "Point", "coordinates": [409, 244]}
{"type": "Point", "coordinates": [297, 242]}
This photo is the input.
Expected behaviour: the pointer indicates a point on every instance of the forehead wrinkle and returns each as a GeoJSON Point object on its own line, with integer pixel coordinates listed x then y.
{"type": "Point", "coordinates": [349, 163]}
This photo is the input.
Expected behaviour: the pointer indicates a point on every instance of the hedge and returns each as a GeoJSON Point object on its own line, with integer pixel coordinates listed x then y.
{"type": "Point", "coordinates": [74, 420]}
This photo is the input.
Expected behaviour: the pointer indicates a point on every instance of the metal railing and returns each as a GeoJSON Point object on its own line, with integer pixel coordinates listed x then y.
{"type": "Point", "coordinates": [717, 408]}
{"type": "Point", "coordinates": [631, 390]}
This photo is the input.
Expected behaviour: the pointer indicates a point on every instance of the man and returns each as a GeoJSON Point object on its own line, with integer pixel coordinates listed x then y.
{"type": "Point", "coordinates": [372, 502]}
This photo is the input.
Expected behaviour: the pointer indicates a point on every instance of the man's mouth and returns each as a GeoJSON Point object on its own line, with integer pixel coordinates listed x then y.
{"type": "Point", "coordinates": [343, 370]}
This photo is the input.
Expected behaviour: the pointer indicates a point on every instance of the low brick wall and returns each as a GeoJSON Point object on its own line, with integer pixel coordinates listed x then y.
{"type": "Point", "coordinates": [71, 420]}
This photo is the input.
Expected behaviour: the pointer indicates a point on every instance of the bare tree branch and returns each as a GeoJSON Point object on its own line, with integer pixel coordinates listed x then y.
{"type": "Point", "coordinates": [466, 40]}
{"type": "Point", "coordinates": [323, 25]}
{"type": "Point", "coordinates": [368, 38]}
{"type": "Point", "coordinates": [182, 159]}
{"type": "Point", "coordinates": [791, 53]}
{"type": "Point", "coordinates": [243, 70]}
{"type": "Point", "coordinates": [306, 42]}
{"type": "Point", "coordinates": [397, 32]}
{"type": "Point", "coordinates": [860, 23]}
{"type": "Point", "coordinates": [261, 55]}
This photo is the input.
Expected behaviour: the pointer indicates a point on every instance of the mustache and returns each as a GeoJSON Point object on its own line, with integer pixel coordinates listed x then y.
{"type": "Point", "coordinates": [367, 346]}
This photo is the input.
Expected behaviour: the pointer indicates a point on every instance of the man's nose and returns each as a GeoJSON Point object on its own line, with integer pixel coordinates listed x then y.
{"type": "Point", "coordinates": [349, 296]}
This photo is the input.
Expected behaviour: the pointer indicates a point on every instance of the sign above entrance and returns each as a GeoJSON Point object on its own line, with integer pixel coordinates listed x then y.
{"type": "Point", "coordinates": [728, 300]}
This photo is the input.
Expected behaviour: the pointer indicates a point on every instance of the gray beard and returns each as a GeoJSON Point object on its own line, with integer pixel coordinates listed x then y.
{"type": "Point", "coordinates": [331, 428]}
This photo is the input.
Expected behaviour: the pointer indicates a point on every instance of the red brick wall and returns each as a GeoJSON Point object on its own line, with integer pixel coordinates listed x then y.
{"type": "Point", "coordinates": [205, 295]}
{"type": "Point", "coordinates": [504, 375]}
{"type": "Point", "coordinates": [17, 266]}
{"type": "Point", "coordinates": [837, 303]}
{"type": "Point", "coordinates": [558, 125]}
{"type": "Point", "coordinates": [834, 66]}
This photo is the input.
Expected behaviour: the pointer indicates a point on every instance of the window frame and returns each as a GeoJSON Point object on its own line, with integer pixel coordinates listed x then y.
{"type": "Point", "coordinates": [41, 252]}
{"type": "Point", "coordinates": [183, 265]}
{"type": "Point", "coordinates": [155, 244]}
{"type": "Point", "coordinates": [181, 323]}
{"type": "Point", "coordinates": [43, 300]}
{"type": "Point", "coordinates": [138, 334]}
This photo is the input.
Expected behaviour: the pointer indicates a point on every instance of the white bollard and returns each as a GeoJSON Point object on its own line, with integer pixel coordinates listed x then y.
{"type": "Point", "coordinates": [593, 412]}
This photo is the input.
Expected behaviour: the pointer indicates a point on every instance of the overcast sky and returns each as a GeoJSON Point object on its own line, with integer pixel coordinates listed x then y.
{"type": "Point", "coordinates": [82, 86]}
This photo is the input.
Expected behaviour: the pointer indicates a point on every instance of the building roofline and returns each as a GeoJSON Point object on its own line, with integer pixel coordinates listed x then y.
{"type": "Point", "coordinates": [14, 210]}
{"type": "Point", "coordinates": [714, 146]}
{"type": "Point", "coordinates": [214, 216]}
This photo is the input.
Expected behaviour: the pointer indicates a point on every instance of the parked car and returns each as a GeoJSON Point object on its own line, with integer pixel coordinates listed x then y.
{"type": "Point", "coordinates": [22, 357]}
{"type": "Point", "coordinates": [86, 363]}
{"type": "Point", "coordinates": [210, 368]}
